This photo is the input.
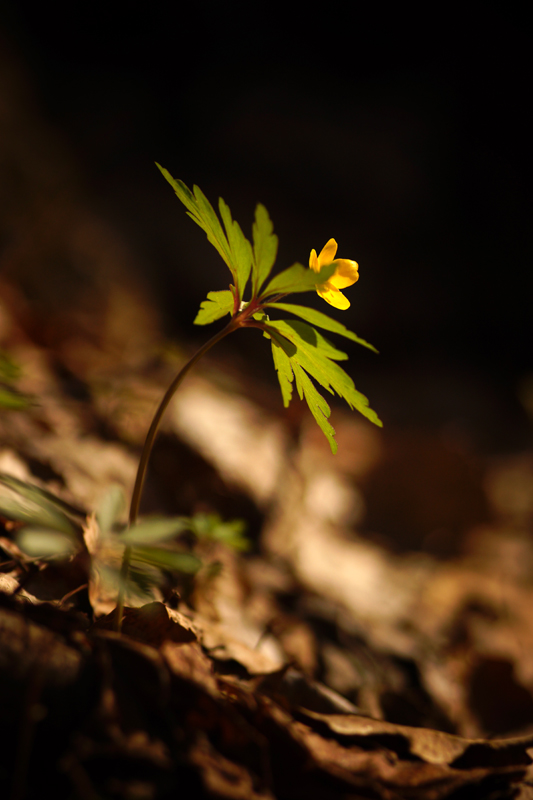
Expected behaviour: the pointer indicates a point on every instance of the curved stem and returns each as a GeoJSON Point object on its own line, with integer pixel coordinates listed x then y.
{"type": "Point", "coordinates": [150, 436]}
{"type": "Point", "coordinates": [145, 457]}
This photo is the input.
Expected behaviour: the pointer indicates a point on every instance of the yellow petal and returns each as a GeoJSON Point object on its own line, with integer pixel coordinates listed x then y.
{"type": "Point", "coordinates": [346, 273]}
{"type": "Point", "coordinates": [332, 296]}
{"type": "Point", "coordinates": [313, 261]}
{"type": "Point", "coordinates": [327, 254]}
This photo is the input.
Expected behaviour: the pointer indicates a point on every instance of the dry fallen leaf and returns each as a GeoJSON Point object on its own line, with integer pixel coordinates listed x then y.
{"type": "Point", "coordinates": [152, 624]}
{"type": "Point", "coordinates": [433, 747]}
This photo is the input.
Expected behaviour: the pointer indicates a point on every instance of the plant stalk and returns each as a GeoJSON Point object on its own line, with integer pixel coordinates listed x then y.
{"type": "Point", "coordinates": [145, 457]}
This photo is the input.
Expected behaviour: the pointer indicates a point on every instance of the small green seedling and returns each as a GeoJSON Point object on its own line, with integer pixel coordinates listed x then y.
{"type": "Point", "coordinates": [300, 352]}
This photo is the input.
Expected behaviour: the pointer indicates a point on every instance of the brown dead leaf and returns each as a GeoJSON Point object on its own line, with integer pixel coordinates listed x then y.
{"type": "Point", "coordinates": [433, 747]}
{"type": "Point", "coordinates": [226, 617]}
{"type": "Point", "coordinates": [224, 778]}
{"type": "Point", "coordinates": [151, 624]}
{"type": "Point", "coordinates": [378, 767]}
{"type": "Point", "coordinates": [381, 765]}
{"type": "Point", "coordinates": [27, 646]}
{"type": "Point", "coordinates": [225, 648]}
{"type": "Point", "coordinates": [102, 593]}
{"type": "Point", "coordinates": [292, 689]}
{"type": "Point", "coordinates": [189, 662]}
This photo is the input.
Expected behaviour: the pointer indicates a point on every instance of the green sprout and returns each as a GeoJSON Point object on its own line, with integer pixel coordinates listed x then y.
{"type": "Point", "coordinates": [300, 352]}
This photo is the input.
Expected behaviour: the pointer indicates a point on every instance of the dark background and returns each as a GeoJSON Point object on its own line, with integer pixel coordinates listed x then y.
{"type": "Point", "coordinates": [402, 136]}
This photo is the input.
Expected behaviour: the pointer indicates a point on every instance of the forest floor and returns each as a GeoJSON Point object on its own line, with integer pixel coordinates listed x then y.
{"type": "Point", "coordinates": [376, 641]}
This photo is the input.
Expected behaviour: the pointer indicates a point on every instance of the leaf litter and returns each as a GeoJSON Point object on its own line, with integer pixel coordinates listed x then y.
{"type": "Point", "coordinates": [322, 665]}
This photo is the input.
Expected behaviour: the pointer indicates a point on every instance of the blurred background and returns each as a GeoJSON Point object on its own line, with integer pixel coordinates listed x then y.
{"type": "Point", "coordinates": [402, 137]}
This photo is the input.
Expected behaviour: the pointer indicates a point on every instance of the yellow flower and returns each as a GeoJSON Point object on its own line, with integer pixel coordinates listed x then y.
{"type": "Point", "coordinates": [346, 273]}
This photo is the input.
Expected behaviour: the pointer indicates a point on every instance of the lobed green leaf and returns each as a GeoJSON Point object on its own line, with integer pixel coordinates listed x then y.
{"type": "Point", "coordinates": [265, 248]}
{"type": "Point", "coordinates": [211, 224]}
{"type": "Point", "coordinates": [167, 559]}
{"type": "Point", "coordinates": [201, 211]}
{"type": "Point", "coordinates": [153, 530]}
{"type": "Point", "coordinates": [240, 247]}
{"type": "Point", "coordinates": [302, 334]}
{"type": "Point", "coordinates": [323, 321]}
{"type": "Point", "coordinates": [211, 526]}
{"type": "Point", "coordinates": [27, 503]}
{"type": "Point", "coordinates": [142, 579]}
{"type": "Point", "coordinates": [45, 543]}
{"type": "Point", "coordinates": [317, 405]}
{"type": "Point", "coordinates": [282, 364]}
{"type": "Point", "coordinates": [217, 305]}
{"type": "Point", "coordinates": [307, 351]}
{"type": "Point", "coordinates": [111, 507]}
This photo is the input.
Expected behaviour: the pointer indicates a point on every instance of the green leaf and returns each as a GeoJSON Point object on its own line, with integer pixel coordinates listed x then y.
{"type": "Point", "coordinates": [44, 543]}
{"type": "Point", "coordinates": [201, 211]}
{"type": "Point", "coordinates": [302, 334]}
{"type": "Point", "coordinates": [209, 221]}
{"type": "Point", "coordinates": [323, 321]}
{"type": "Point", "coordinates": [240, 247]}
{"type": "Point", "coordinates": [110, 508]}
{"type": "Point", "coordinates": [211, 526]}
{"type": "Point", "coordinates": [217, 305]}
{"type": "Point", "coordinates": [233, 246]}
{"type": "Point", "coordinates": [167, 559]}
{"type": "Point", "coordinates": [298, 279]}
{"type": "Point", "coordinates": [153, 530]}
{"type": "Point", "coordinates": [282, 364]}
{"type": "Point", "coordinates": [265, 247]}
{"type": "Point", "coordinates": [142, 579]}
{"type": "Point", "coordinates": [307, 351]}
{"type": "Point", "coordinates": [26, 503]}
{"type": "Point", "coordinates": [317, 405]}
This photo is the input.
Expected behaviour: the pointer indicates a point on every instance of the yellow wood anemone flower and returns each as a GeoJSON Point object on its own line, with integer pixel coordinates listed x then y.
{"type": "Point", "coordinates": [346, 273]}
